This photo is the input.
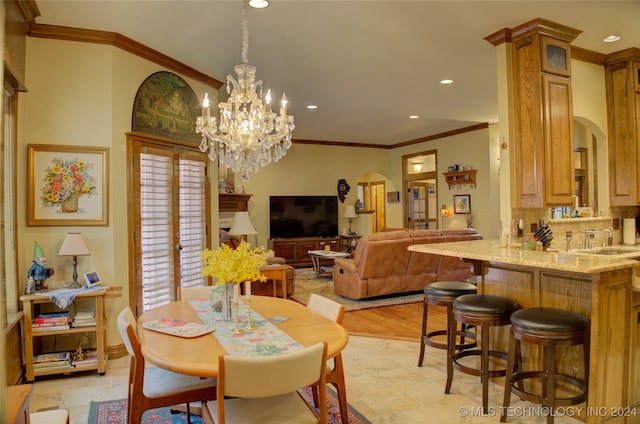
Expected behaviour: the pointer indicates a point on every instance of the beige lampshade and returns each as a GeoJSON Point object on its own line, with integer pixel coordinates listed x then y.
{"type": "Point", "coordinates": [350, 212]}
{"type": "Point", "coordinates": [242, 225]}
{"type": "Point", "coordinates": [74, 245]}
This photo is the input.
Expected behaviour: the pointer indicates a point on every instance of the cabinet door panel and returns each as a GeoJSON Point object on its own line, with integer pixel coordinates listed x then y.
{"type": "Point", "coordinates": [558, 117]}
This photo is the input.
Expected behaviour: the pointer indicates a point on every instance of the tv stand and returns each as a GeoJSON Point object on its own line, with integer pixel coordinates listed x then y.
{"type": "Point", "coordinates": [295, 250]}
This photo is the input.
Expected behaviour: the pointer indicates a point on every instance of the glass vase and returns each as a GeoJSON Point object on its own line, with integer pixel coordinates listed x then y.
{"type": "Point", "coordinates": [226, 296]}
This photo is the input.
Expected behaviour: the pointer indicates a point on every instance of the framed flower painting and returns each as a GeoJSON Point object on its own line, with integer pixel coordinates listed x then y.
{"type": "Point", "coordinates": [67, 185]}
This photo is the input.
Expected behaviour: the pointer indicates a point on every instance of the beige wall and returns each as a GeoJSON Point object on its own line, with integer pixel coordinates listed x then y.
{"type": "Point", "coordinates": [82, 94]}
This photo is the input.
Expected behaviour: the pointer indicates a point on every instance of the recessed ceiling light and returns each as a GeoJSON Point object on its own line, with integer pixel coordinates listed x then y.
{"type": "Point", "coordinates": [446, 81]}
{"type": "Point", "coordinates": [611, 38]}
{"type": "Point", "coordinates": [312, 107]}
{"type": "Point", "coordinates": [258, 4]}
{"type": "Point", "coordinates": [413, 116]}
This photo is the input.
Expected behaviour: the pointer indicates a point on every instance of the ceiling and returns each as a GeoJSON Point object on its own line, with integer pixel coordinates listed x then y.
{"type": "Point", "coordinates": [368, 65]}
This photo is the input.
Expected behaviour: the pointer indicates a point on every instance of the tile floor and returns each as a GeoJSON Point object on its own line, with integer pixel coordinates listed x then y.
{"type": "Point", "coordinates": [383, 383]}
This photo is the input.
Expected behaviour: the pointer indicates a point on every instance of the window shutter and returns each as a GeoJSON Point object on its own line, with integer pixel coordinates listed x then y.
{"type": "Point", "coordinates": [156, 230]}
{"type": "Point", "coordinates": [193, 219]}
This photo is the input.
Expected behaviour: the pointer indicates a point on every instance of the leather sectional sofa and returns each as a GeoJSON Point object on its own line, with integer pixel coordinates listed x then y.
{"type": "Point", "coordinates": [382, 265]}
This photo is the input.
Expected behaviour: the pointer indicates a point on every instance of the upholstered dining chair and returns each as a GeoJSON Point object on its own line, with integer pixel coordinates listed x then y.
{"type": "Point", "coordinates": [334, 311]}
{"type": "Point", "coordinates": [153, 387]}
{"type": "Point", "coordinates": [264, 389]}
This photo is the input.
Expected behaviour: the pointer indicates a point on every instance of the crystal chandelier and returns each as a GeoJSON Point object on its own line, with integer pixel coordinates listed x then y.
{"type": "Point", "coordinates": [249, 136]}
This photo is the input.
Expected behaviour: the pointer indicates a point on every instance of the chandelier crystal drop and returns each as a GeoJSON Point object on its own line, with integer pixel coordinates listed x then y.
{"type": "Point", "coordinates": [249, 135]}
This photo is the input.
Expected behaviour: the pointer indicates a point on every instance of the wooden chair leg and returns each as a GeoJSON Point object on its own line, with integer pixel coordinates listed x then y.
{"type": "Point", "coordinates": [451, 349]}
{"type": "Point", "coordinates": [485, 367]}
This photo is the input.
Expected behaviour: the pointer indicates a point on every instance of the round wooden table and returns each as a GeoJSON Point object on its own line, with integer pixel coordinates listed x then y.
{"type": "Point", "coordinates": [199, 356]}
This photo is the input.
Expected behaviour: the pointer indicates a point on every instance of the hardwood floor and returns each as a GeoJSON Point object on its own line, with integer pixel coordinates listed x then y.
{"type": "Point", "coordinates": [400, 322]}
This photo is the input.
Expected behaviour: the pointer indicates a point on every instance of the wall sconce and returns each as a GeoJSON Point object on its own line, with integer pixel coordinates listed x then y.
{"type": "Point", "coordinates": [417, 167]}
{"type": "Point", "coordinates": [443, 212]}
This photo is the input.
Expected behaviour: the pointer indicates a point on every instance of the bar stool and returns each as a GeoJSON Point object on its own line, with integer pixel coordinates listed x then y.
{"type": "Point", "coordinates": [443, 293]}
{"type": "Point", "coordinates": [550, 328]}
{"type": "Point", "coordinates": [484, 311]}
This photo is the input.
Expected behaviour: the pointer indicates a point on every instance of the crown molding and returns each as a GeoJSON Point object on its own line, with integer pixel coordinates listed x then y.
{"type": "Point", "coordinates": [120, 41]}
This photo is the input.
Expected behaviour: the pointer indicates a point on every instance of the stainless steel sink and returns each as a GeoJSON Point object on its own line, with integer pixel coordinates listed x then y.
{"type": "Point", "coordinates": [616, 250]}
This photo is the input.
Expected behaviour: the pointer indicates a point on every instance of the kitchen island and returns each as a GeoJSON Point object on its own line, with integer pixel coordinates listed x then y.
{"type": "Point", "coordinates": [597, 286]}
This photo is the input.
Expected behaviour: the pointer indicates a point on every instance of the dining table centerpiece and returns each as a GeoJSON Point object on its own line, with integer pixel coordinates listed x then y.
{"type": "Point", "coordinates": [230, 267]}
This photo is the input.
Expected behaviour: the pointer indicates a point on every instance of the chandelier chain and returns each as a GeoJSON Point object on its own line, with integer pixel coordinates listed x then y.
{"type": "Point", "coordinates": [245, 32]}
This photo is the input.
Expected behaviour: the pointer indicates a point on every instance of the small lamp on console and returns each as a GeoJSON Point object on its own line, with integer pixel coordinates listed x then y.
{"type": "Point", "coordinates": [350, 214]}
{"type": "Point", "coordinates": [74, 245]}
{"type": "Point", "coordinates": [242, 225]}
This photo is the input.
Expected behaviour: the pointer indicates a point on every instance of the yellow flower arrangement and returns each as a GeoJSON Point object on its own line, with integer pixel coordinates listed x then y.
{"type": "Point", "coordinates": [237, 265]}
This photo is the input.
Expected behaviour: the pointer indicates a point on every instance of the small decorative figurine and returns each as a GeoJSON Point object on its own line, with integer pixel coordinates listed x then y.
{"type": "Point", "coordinates": [39, 271]}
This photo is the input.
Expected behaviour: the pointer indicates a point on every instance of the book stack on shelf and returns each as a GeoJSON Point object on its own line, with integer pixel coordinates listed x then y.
{"type": "Point", "coordinates": [85, 318]}
{"type": "Point", "coordinates": [52, 361]}
{"type": "Point", "coordinates": [89, 358]}
{"type": "Point", "coordinates": [54, 321]}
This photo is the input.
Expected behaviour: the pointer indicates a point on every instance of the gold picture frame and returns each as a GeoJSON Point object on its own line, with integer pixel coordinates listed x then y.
{"type": "Point", "coordinates": [67, 185]}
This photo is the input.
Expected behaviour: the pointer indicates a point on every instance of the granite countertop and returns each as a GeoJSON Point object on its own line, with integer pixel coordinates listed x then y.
{"type": "Point", "coordinates": [494, 251]}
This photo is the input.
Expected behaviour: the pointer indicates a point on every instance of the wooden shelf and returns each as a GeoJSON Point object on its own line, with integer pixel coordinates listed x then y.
{"type": "Point", "coordinates": [233, 202]}
{"type": "Point", "coordinates": [28, 305]}
{"type": "Point", "coordinates": [461, 178]}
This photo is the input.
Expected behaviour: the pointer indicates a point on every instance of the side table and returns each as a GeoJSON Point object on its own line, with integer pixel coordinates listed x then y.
{"type": "Point", "coordinates": [276, 272]}
{"type": "Point", "coordinates": [316, 255]}
{"type": "Point", "coordinates": [350, 243]}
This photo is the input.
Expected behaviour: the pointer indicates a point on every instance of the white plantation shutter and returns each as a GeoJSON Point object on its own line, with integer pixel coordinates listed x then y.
{"type": "Point", "coordinates": [193, 216]}
{"type": "Point", "coordinates": [170, 216]}
{"type": "Point", "coordinates": [156, 230]}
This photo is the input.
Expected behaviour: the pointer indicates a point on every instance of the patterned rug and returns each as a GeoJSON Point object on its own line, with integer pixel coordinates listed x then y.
{"type": "Point", "coordinates": [115, 412]}
{"type": "Point", "coordinates": [307, 282]}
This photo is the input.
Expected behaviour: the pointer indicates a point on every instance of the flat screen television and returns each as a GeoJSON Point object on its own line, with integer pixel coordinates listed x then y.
{"type": "Point", "coordinates": [303, 216]}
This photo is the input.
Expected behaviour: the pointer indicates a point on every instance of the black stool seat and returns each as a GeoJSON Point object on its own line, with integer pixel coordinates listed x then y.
{"type": "Point", "coordinates": [549, 320]}
{"type": "Point", "coordinates": [443, 293]}
{"type": "Point", "coordinates": [485, 304]}
{"type": "Point", "coordinates": [548, 327]}
{"type": "Point", "coordinates": [451, 289]}
{"type": "Point", "coordinates": [483, 311]}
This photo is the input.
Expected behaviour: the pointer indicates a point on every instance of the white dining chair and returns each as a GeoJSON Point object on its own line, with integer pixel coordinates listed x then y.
{"type": "Point", "coordinates": [334, 311]}
{"type": "Point", "coordinates": [264, 389]}
{"type": "Point", "coordinates": [189, 293]}
{"type": "Point", "coordinates": [152, 387]}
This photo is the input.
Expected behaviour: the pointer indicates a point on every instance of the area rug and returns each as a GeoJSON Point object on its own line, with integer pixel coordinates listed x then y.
{"type": "Point", "coordinates": [307, 282]}
{"type": "Point", "coordinates": [115, 412]}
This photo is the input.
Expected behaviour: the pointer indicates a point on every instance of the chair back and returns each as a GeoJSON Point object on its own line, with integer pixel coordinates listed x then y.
{"type": "Point", "coordinates": [326, 307]}
{"type": "Point", "coordinates": [258, 377]}
{"type": "Point", "coordinates": [127, 325]}
{"type": "Point", "coordinates": [188, 293]}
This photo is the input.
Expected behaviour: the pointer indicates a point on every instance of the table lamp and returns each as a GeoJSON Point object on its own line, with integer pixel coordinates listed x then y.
{"type": "Point", "coordinates": [443, 212]}
{"type": "Point", "coordinates": [242, 225]}
{"type": "Point", "coordinates": [350, 214]}
{"type": "Point", "coordinates": [74, 245]}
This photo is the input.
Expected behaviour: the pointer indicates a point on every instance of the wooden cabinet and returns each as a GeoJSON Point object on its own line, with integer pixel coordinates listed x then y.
{"type": "Point", "coordinates": [622, 76]}
{"type": "Point", "coordinates": [460, 178]}
{"type": "Point", "coordinates": [543, 114]}
{"type": "Point", "coordinates": [31, 304]}
{"type": "Point", "coordinates": [294, 250]}
{"type": "Point", "coordinates": [634, 342]}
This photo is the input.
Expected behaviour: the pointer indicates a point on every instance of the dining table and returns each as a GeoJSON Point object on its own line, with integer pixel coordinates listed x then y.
{"type": "Point", "coordinates": [198, 356]}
